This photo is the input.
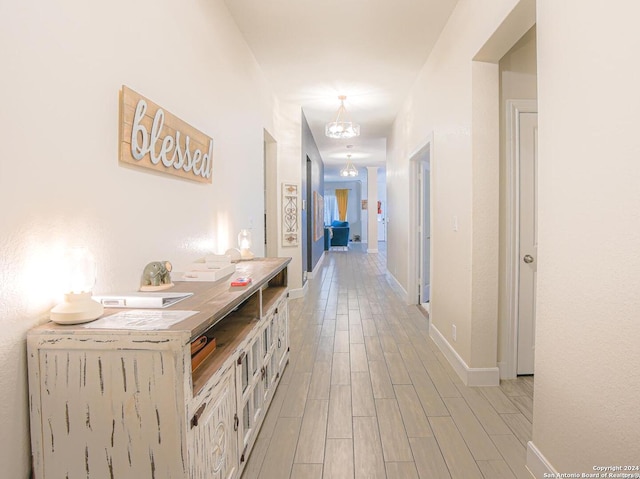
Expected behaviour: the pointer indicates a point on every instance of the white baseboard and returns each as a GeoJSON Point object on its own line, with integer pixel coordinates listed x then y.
{"type": "Point", "coordinates": [537, 464]}
{"type": "Point", "coordinates": [299, 292]}
{"type": "Point", "coordinates": [396, 283]}
{"type": "Point", "coordinates": [373, 250]}
{"type": "Point", "coordinates": [469, 376]}
{"type": "Point", "coordinates": [312, 274]}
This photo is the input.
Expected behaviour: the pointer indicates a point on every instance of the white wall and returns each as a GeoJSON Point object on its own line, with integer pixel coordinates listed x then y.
{"type": "Point", "coordinates": [288, 124]}
{"type": "Point", "coordinates": [442, 101]}
{"type": "Point", "coordinates": [586, 410]}
{"type": "Point", "coordinates": [63, 64]}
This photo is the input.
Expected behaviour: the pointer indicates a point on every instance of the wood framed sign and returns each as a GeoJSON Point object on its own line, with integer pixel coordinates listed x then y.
{"type": "Point", "coordinates": [153, 138]}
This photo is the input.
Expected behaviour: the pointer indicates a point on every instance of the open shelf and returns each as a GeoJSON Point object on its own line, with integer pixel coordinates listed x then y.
{"type": "Point", "coordinates": [270, 297]}
{"type": "Point", "coordinates": [229, 335]}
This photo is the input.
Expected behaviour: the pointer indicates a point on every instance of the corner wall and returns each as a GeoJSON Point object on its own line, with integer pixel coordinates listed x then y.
{"type": "Point", "coordinates": [60, 182]}
{"type": "Point", "coordinates": [586, 409]}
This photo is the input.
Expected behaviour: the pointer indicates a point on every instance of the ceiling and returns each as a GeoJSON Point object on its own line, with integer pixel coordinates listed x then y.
{"type": "Point", "coordinates": [369, 50]}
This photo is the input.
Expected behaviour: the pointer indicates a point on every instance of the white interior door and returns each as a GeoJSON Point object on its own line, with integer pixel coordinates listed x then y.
{"type": "Point", "coordinates": [528, 240]}
{"type": "Point", "coordinates": [425, 233]}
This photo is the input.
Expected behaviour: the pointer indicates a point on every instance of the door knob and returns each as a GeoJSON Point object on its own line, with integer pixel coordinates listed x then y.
{"type": "Point", "coordinates": [528, 258]}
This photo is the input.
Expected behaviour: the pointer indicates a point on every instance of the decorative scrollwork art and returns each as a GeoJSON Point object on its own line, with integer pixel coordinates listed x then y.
{"type": "Point", "coordinates": [290, 233]}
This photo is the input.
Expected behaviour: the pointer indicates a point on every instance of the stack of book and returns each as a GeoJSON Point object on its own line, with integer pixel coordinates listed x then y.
{"type": "Point", "coordinates": [210, 268]}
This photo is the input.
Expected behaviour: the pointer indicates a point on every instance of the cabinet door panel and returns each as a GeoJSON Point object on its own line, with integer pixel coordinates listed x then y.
{"type": "Point", "coordinates": [140, 438]}
{"type": "Point", "coordinates": [283, 334]}
{"type": "Point", "coordinates": [214, 446]}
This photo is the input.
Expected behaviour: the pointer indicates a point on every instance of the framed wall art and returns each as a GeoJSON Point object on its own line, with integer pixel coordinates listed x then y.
{"type": "Point", "coordinates": [318, 216]}
{"type": "Point", "coordinates": [290, 213]}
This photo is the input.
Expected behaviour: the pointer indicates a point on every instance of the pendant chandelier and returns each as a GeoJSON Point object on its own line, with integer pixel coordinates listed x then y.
{"type": "Point", "coordinates": [341, 127]}
{"type": "Point", "coordinates": [350, 169]}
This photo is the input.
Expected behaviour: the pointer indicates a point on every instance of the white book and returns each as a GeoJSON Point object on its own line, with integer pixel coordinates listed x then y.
{"type": "Point", "coordinates": [141, 300]}
{"type": "Point", "coordinates": [204, 275]}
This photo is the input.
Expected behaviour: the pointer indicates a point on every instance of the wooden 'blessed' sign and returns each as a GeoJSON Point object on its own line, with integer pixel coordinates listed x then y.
{"type": "Point", "coordinates": [153, 138]}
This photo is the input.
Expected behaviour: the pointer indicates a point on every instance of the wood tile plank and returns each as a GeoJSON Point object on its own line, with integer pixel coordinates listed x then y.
{"type": "Point", "coordinates": [328, 327]}
{"type": "Point", "coordinates": [320, 381]}
{"type": "Point", "coordinates": [358, 357]}
{"type": "Point", "coordinates": [354, 316]}
{"type": "Point", "coordinates": [456, 454]}
{"type": "Point", "coordinates": [499, 400]}
{"type": "Point", "coordinates": [340, 369]}
{"type": "Point", "coordinates": [495, 470]}
{"type": "Point", "coordinates": [367, 449]}
{"type": "Point", "coordinates": [387, 342]}
{"type": "Point", "coordinates": [410, 357]}
{"type": "Point", "coordinates": [520, 426]}
{"type": "Point", "coordinates": [306, 471]}
{"type": "Point", "coordinates": [525, 405]}
{"type": "Point", "coordinates": [514, 454]}
{"type": "Point", "coordinates": [310, 448]}
{"type": "Point", "coordinates": [478, 441]}
{"type": "Point", "coordinates": [401, 470]}
{"type": "Point", "coordinates": [395, 444]}
{"type": "Point", "coordinates": [341, 343]}
{"type": "Point", "coordinates": [306, 358]}
{"type": "Point", "coordinates": [397, 370]}
{"type": "Point", "coordinates": [369, 327]}
{"type": "Point", "coordinates": [513, 387]}
{"type": "Point", "coordinates": [428, 458]}
{"type": "Point", "coordinates": [279, 458]}
{"type": "Point", "coordinates": [380, 381]}
{"type": "Point", "coordinates": [293, 405]}
{"type": "Point", "coordinates": [362, 394]}
{"type": "Point", "coordinates": [338, 459]}
{"type": "Point", "coordinates": [325, 349]}
{"type": "Point", "coordinates": [415, 420]}
{"type": "Point", "coordinates": [374, 350]}
{"type": "Point", "coordinates": [339, 421]}
{"type": "Point", "coordinates": [429, 397]}
{"type": "Point", "coordinates": [486, 414]}
{"type": "Point", "coordinates": [342, 322]}
{"type": "Point", "coordinates": [355, 334]}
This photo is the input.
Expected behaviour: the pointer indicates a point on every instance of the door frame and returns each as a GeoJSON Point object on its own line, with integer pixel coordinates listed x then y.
{"type": "Point", "coordinates": [423, 153]}
{"type": "Point", "coordinates": [270, 195]}
{"type": "Point", "coordinates": [514, 109]}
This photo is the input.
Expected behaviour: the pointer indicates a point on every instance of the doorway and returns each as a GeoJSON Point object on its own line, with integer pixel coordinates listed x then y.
{"type": "Point", "coordinates": [420, 223]}
{"type": "Point", "coordinates": [424, 229]}
{"type": "Point", "coordinates": [309, 221]}
{"type": "Point", "coordinates": [382, 230]}
{"type": "Point", "coordinates": [523, 165]}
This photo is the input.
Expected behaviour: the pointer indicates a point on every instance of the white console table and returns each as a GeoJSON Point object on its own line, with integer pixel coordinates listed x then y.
{"type": "Point", "coordinates": [123, 403]}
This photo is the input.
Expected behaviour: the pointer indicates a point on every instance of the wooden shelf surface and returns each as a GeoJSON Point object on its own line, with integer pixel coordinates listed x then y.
{"type": "Point", "coordinates": [212, 300]}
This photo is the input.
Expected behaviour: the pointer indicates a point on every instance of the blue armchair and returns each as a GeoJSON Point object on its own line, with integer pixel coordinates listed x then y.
{"type": "Point", "coordinates": [340, 233]}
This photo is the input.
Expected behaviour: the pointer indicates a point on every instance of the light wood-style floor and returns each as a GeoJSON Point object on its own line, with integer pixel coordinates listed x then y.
{"type": "Point", "coordinates": [367, 394]}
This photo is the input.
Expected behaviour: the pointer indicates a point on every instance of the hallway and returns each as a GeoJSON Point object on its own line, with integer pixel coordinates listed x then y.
{"type": "Point", "coordinates": [367, 394]}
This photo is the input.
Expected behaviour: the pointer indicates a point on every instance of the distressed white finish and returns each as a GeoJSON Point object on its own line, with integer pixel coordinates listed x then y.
{"type": "Point", "coordinates": [100, 404]}
{"type": "Point", "coordinates": [213, 447]}
{"type": "Point", "coordinates": [109, 403]}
